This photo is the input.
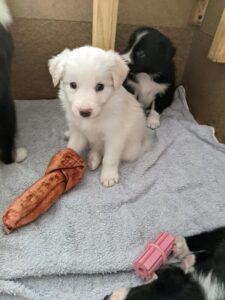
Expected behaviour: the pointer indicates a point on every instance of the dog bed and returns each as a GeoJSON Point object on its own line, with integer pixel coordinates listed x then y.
{"type": "Point", "coordinates": [84, 246]}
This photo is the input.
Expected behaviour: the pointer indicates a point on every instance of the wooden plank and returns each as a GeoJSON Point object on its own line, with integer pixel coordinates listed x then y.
{"type": "Point", "coordinates": [198, 12]}
{"type": "Point", "coordinates": [217, 50]}
{"type": "Point", "coordinates": [104, 23]}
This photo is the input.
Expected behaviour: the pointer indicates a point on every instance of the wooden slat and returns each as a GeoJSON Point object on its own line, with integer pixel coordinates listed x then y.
{"type": "Point", "coordinates": [104, 23]}
{"type": "Point", "coordinates": [217, 50]}
{"type": "Point", "coordinates": [198, 12]}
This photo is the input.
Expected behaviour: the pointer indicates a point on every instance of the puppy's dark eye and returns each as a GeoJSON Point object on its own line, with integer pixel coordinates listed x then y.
{"type": "Point", "coordinates": [140, 54]}
{"type": "Point", "coordinates": [73, 85]}
{"type": "Point", "coordinates": [99, 87]}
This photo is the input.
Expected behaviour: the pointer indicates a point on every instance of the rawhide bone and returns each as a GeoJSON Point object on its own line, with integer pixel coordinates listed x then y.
{"type": "Point", "coordinates": [64, 171]}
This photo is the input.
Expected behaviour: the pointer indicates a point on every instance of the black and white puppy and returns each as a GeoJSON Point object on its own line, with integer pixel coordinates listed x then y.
{"type": "Point", "coordinates": [200, 277]}
{"type": "Point", "coordinates": [149, 55]}
{"type": "Point", "coordinates": [8, 154]}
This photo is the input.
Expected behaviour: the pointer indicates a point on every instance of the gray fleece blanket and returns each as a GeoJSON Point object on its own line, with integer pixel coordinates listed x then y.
{"type": "Point", "coordinates": [177, 186]}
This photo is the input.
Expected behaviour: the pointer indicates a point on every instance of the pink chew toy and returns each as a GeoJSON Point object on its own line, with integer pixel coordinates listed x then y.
{"type": "Point", "coordinates": [154, 256]}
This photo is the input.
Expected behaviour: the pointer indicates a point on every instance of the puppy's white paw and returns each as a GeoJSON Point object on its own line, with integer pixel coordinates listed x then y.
{"type": "Point", "coordinates": [66, 135]}
{"type": "Point", "coordinates": [20, 154]}
{"type": "Point", "coordinates": [153, 120]}
{"type": "Point", "coordinates": [188, 263]}
{"type": "Point", "coordinates": [94, 160]}
{"type": "Point", "coordinates": [180, 248]}
{"type": "Point", "coordinates": [109, 177]}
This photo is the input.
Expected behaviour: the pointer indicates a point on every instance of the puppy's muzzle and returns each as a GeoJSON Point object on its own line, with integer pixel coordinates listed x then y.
{"type": "Point", "coordinates": [85, 113]}
{"type": "Point", "coordinates": [127, 59]}
{"type": "Point", "coordinates": [106, 297]}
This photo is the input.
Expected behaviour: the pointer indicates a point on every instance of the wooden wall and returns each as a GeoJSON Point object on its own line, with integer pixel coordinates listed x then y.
{"type": "Point", "coordinates": [204, 80]}
{"type": "Point", "coordinates": [43, 28]}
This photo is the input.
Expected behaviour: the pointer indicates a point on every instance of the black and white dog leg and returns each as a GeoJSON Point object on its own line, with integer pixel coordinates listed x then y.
{"type": "Point", "coordinates": [153, 119]}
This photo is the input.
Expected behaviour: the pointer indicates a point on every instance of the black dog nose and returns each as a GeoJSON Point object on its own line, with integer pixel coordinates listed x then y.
{"type": "Point", "coordinates": [85, 113]}
{"type": "Point", "coordinates": [106, 297]}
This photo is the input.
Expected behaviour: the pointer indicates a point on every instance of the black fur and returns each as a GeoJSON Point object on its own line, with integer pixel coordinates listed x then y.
{"type": "Point", "coordinates": [174, 284]}
{"type": "Point", "coordinates": [7, 106]}
{"type": "Point", "coordinates": [212, 255]}
{"type": "Point", "coordinates": [157, 61]}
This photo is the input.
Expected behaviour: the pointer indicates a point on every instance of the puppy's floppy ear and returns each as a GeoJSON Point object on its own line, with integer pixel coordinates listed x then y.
{"type": "Point", "coordinates": [168, 49]}
{"type": "Point", "coordinates": [117, 67]}
{"type": "Point", "coordinates": [56, 66]}
{"type": "Point", "coordinates": [171, 52]}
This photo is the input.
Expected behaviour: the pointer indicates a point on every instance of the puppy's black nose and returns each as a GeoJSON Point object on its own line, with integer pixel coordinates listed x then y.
{"type": "Point", "coordinates": [130, 66]}
{"type": "Point", "coordinates": [106, 297]}
{"type": "Point", "coordinates": [85, 113]}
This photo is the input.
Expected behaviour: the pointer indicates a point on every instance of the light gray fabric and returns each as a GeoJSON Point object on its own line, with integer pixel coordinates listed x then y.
{"type": "Point", "coordinates": [178, 186]}
{"type": "Point", "coordinates": [68, 287]}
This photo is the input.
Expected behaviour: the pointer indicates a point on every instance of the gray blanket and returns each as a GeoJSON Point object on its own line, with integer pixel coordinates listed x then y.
{"type": "Point", "coordinates": [178, 186]}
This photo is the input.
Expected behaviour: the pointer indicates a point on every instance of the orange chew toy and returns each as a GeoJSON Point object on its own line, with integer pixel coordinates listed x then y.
{"type": "Point", "coordinates": [64, 171]}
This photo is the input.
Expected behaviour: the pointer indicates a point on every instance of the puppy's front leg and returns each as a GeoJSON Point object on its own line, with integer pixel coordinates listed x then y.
{"type": "Point", "coordinates": [110, 163]}
{"type": "Point", "coordinates": [77, 141]}
{"type": "Point", "coordinates": [181, 251]}
{"type": "Point", "coordinates": [153, 119]}
{"type": "Point", "coordinates": [94, 157]}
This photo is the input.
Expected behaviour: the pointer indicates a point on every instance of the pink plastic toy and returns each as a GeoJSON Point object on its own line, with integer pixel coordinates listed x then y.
{"type": "Point", "coordinates": [154, 256]}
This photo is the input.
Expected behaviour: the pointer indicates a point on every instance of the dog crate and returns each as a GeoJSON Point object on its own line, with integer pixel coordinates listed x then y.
{"type": "Point", "coordinates": [196, 27]}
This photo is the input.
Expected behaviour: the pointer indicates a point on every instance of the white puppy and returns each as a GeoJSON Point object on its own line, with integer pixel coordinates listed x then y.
{"type": "Point", "coordinates": [99, 111]}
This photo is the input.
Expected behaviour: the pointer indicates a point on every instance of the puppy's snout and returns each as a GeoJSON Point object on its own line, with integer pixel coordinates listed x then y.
{"type": "Point", "coordinates": [130, 65]}
{"type": "Point", "coordinates": [85, 112]}
{"type": "Point", "coordinates": [126, 58]}
{"type": "Point", "coordinates": [106, 297]}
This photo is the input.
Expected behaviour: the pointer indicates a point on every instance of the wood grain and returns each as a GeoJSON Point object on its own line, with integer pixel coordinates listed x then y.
{"type": "Point", "coordinates": [217, 50]}
{"type": "Point", "coordinates": [198, 12]}
{"type": "Point", "coordinates": [104, 23]}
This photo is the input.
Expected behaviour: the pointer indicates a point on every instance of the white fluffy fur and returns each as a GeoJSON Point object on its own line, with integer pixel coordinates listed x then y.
{"type": "Point", "coordinates": [5, 16]}
{"type": "Point", "coordinates": [214, 290]}
{"type": "Point", "coordinates": [119, 294]}
{"type": "Point", "coordinates": [20, 154]}
{"type": "Point", "coordinates": [116, 128]}
{"type": "Point", "coordinates": [180, 249]}
{"type": "Point", "coordinates": [146, 88]}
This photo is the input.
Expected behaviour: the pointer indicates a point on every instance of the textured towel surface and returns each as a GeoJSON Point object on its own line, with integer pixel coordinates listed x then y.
{"type": "Point", "coordinates": [178, 186]}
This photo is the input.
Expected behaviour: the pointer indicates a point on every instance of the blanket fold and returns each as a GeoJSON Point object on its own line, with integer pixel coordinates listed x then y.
{"type": "Point", "coordinates": [178, 186]}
